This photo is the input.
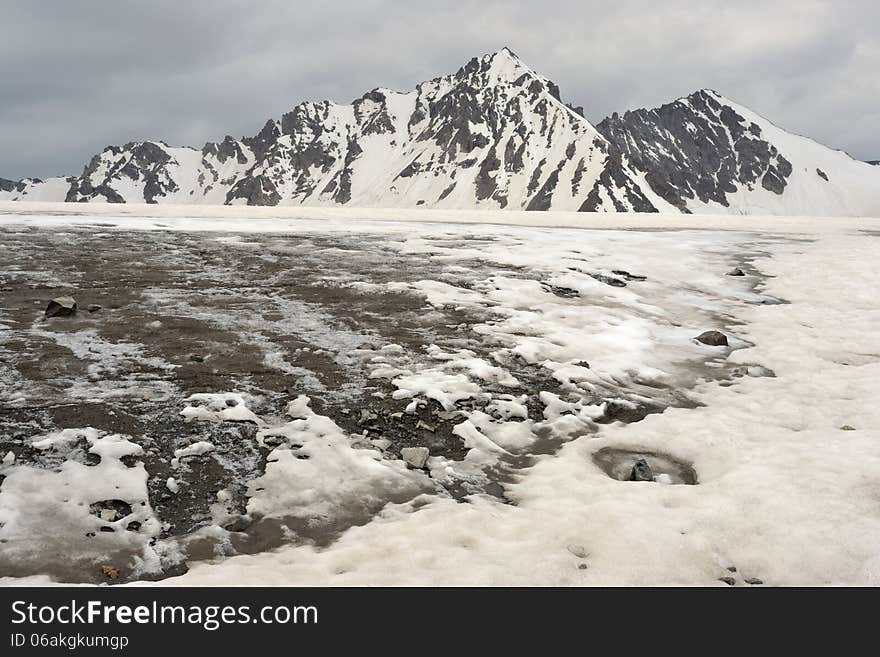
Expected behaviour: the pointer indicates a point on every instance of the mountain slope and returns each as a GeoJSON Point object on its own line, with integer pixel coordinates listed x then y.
{"type": "Point", "coordinates": [493, 135]}
{"type": "Point", "coordinates": [705, 153]}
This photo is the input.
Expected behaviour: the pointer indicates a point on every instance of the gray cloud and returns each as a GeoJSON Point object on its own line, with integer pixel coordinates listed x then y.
{"type": "Point", "coordinates": [76, 76]}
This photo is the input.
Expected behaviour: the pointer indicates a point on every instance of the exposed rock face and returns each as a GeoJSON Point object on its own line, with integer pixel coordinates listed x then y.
{"type": "Point", "coordinates": [697, 148]}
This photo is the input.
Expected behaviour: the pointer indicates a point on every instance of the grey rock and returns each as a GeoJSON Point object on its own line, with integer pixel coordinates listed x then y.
{"type": "Point", "coordinates": [61, 307]}
{"type": "Point", "coordinates": [730, 581]}
{"type": "Point", "coordinates": [736, 272]}
{"type": "Point", "coordinates": [722, 154]}
{"type": "Point", "coordinates": [415, 457]}
{"type": "Point", "coordinates": [93, 307]}
{"type": "Point", "coordinates": [641, 471]}
{"type": "Point", "coordinates": [713, 338]}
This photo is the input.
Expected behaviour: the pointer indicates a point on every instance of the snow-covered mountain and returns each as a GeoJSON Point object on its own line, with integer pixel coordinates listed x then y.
{"type": "Point", "coordinates": [494, 135]}
{"type": "Point", "coordinates": [705, 153]}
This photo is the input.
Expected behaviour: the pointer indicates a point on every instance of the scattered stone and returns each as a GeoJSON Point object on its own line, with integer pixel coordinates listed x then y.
{"type": "Point", "coordinates": [231, 403]}
{"type": "Point", "coordinates": [609, 280]}
{"type": "Point", "coordinates": [93, 307]}
{"type": "Point", "coordinates": [730, 581]}
{"type": "Point", "coordinates": [559, 291]}
{"type": "Point", "coordinates": [421, 424]}
{"type": "Point", "coordinates": [628, 276]}
{"type": "Point", "coordinates": [110, 572]}
{"type": "Point", "coordinates": [61, 307]}
{"type": "Point", "coordinates": [641, 471]}
{"type": "Point", "coordinates": [110, 510]}
{"type": "Point", "coordinates": [582, 363]}
{"type": "Point", "coordinates": [367, 417]}
{"type": "Point", "coordinates": [273, 440]}
{"type": "Point", "coordinates": [624, 411]}
{"type": "Point", "coordinates": [847, 427]}
{"type": "Point", "coordinates": [196, 358]}
{"type": "Point", "coordinates": [753, 581]}
{"type": "Point", "coordinates": [446, 416]}
{"type": "Point", "coordinates": [415, 457]}
{"type": "Point", "coordinates": [133, 526]}
{"type": "Point", "coordinates": [736, 272]}
{"type": "Point", "coordinates": [106, 528]}
{"type": "Point", "coordinates": [713, 338]}
{"type": "Point", "coordinates": [731, 569]}
{"type": "Point", "coordinates": [582, 566]}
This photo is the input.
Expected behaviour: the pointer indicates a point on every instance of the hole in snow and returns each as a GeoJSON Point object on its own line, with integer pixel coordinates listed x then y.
{"type": "Point", "coordinates": [621, 464]}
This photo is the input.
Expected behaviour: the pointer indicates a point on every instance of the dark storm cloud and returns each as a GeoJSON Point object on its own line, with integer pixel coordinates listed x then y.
{"type": "Point", "coordinates": [76, 76]}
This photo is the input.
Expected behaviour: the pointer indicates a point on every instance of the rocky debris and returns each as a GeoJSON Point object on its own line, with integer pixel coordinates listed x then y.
{"type": "Point", "coordinates": [608, 280]}
{"type": "Point", "coordinates": [133, 526]}
{"type": "Point", "coordinates": [93, 307]}
{"type": "Point", "coordinates": [730, 581]}
{"type": "Point", "coordinates": [753, 581]}
{"type": "Point", "coordinates": [641, 471]}
{"type": "Point", "coordinates": [736, 272]}
{"type": "Point", "coordinates": [110, 572]}
{"type": "Point", "coordinates": [630, 277]}
{"type": "Point", "coordinates": [196, 358]}
{"type": "Point", "coordinates": [415, 457]}
{"type": "Point", "coordinates": [847, 427]}
{"type": "Point", "coordinates": [559, 291]}
{"type": "Point", "coordinates": [61, 307]}
{"type": "Point", "coordinates": [712, 338]}
{"type": "Point", "coordinates": [110, 510]}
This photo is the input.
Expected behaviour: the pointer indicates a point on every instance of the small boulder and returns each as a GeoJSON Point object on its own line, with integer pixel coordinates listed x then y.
{"type": "Point", "coordinates": [713, 338]}
{"type": "Point", "coordinates": [93, 307]}
{"type": "Point", "coordinates": [736, 272]}
{"type": "Point", "coordinates": [110, 510]}
{"type": "Point", "coordinates": [415, 457]}
{"type": "Point", "coordinates": [641, 471]}
{"type": "Point", "coordinates": [61, 307]}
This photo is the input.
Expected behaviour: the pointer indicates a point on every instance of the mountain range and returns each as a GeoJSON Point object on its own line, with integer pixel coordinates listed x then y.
{"type": "Point", "coordinates": [494, 135]}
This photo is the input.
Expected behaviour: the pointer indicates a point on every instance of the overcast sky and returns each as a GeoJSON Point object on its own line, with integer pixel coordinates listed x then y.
{"type": "Point", "coordinates": [77, 76]}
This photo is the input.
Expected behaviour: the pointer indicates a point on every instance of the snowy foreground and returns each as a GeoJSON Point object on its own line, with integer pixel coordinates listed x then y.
{"type": "Point", "coordinates": [252, 389]}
